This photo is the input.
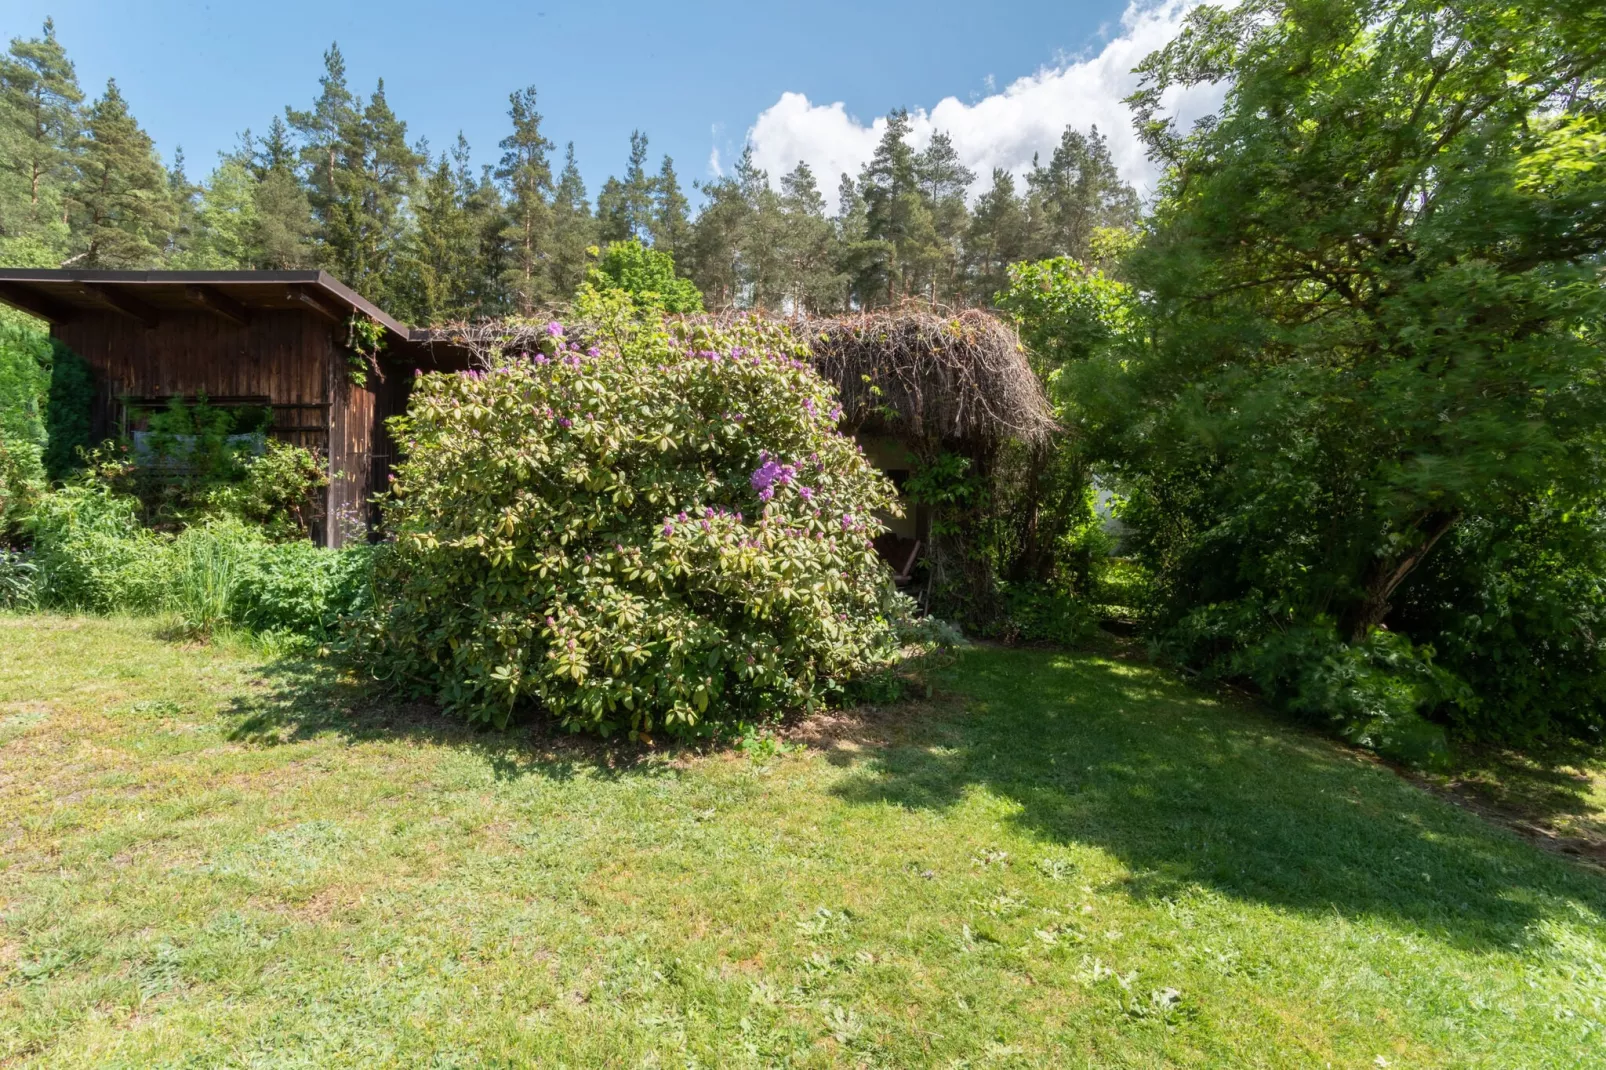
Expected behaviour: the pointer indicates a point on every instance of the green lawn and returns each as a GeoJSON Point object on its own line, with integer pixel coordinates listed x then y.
{"type": "Point", "coordinates": [1063, 860]}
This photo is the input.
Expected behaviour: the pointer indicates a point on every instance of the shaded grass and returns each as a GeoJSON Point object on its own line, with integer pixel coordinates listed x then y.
{"type": "Point", "coordinates": [1064, 860]}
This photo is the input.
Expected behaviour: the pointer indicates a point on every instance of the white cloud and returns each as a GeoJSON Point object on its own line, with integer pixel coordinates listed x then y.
{"type": "Point", "coordinates": [1002, 129]}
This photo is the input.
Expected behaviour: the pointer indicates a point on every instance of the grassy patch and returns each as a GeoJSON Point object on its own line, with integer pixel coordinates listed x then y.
{"type": "Point", "coordinates": [210, 859]}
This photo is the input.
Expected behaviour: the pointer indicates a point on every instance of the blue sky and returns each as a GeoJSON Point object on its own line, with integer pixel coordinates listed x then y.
{"type": "Point", "coordinates": [696, 77]}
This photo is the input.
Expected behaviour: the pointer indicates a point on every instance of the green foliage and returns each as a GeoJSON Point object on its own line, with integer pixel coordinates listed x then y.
{"type": "Point", "coordinates": [365, 338]}
{"type": "Point", "coordinates": [24, 385]}
{"type": "Point", "coordinates": [662, 530]}
{"type": "Point", "coordinates": [275, 491]}
{"type": "Point", "coordinates": [1065, 312]}
{"type": "Point", "coordinates": [91, 553]}
{"type": "Point", "coordinates": [19, 580]}
{"type": "Point", "coordinates": [67, 413]}
{"type": "Point", "coordinates": [1371, 310]}
{"type": "Point", "coordinates": [647, 275]}
{"type": "Point", "coordinates": [1516, 606]}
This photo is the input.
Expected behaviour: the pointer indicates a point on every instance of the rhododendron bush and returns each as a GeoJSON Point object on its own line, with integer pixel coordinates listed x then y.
{"type": "Point", "coordinates": [640, 526]}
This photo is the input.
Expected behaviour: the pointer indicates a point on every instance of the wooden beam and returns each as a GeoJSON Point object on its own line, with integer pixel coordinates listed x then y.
{"type": "Point", "coordinates": [216, 301]}
{"type": "Point", "coordinates": [34, 303]}
{"type": "Point", "coordinates": [124, 302]}
{"type": "Point", "coordinates": [308, 299]}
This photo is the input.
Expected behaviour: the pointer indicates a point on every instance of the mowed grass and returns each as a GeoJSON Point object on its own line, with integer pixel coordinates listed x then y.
{"type": "Point", "coordinates": [1063, 860]}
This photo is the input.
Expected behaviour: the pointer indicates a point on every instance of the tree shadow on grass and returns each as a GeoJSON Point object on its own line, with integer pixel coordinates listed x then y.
{"type": "Point", "coordinates": [1193, 792]}
{"type": "Point", "coordinates": [297, 700]}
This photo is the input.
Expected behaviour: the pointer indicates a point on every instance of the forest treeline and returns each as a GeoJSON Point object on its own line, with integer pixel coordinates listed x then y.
{"type": "Point", "coordinates": [429, 237]}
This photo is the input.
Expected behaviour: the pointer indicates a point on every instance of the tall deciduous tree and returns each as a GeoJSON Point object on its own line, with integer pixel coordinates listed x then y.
{"type": "Point", "coordinates": [120, 205]}
{"type": "Point", "coordinates": [1374, 296]}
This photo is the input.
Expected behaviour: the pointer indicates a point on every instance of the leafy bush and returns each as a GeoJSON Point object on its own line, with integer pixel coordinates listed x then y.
{"type": "Point", "coordinates": [274, 491]}
{"type": "Point", "coordinates": [19, 580]}
{"type": "Point", "coordinates": [92, 554]}
{"type": "Point", "coordinates": [647, 275]}
{"type": "Point", "coordinates": [660, 530]}
{"type": "Point", "coordinates": [1516, 606]}
{"type": "Point", "coordinates": [1375, 692]}
{"type": "Point", "coordinates": [24, 384]}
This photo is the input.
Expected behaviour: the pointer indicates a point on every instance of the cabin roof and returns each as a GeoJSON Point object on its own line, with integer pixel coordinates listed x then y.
{"type": "Point", "coordinates": [64, 294]}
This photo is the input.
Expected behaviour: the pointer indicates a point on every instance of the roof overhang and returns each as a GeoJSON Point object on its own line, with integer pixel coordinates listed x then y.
{"type": "Point", "coordinates": [63, 295]}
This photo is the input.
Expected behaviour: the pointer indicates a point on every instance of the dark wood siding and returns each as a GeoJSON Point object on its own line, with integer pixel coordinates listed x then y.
{"type": "Point", "coordinates": [288, 357]}
{"type": "Point", "coordinates": [351, 440]}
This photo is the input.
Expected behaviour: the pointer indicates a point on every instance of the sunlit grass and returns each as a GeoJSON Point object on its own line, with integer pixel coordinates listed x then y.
{"type": "Point", "coordinates": [211, 859]}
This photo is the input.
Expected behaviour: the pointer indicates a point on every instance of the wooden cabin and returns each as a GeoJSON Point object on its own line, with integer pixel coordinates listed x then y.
{"type": "Point", "coordinates": [278, 339]}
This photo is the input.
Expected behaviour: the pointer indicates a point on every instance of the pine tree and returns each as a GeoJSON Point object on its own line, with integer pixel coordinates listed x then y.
{"type": "Point", "coordinates": [999, 235]}
{"type": "Point", "coordinates": [1078, 191]}
{"type": "Point", "coordinates": [812, 283]}
{"type": "Point", "coordinates": [624, 207]}
{"type": "Point", "coordinates": [283, 211]}
{"type": "Point", "coordinates": [761, 253]}
{"type": "Point", "coordinates": [527, 177]}
{"type": "Point", "coordinates": [854, 250]}
{"type": "Point", "coordinates": [901, 243]}
{"type": "Point", "coordinates": [943, 180]}
{"type": "Point", "coordinates": [715, 263]}
{"type": "Point", "coordinates": [226, 233]}
{"type": "Point", "coordinates": [671, 214]}
{"type": "Point", "coordinates": [186, 198]}
{"type": "Point", "coordinates": [573, 230]}
{"type": "Point", "coordinates": [39, 133]}
{"type": "Point", "coordinates": [443, 251]}
{"type": "Point", "coordinates": [359, 171]}
{"type": "Point", "coordinates": [323, 129]}
{"type": "Point", "coordinates": [121, 210]}
{"type": "Point", "coordinates": [273, 153]}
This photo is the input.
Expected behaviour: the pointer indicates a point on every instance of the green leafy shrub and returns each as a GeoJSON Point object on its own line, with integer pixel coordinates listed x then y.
{"type": "Point", "coordinates": [1516, 606]}
{"type": "Point", "coordinates": [24, 384]}
{"type": "Point", "coordinates": [661, 529]}
{"type": "Point", "coordinates": [93, 553]}
{"type": "Point", "coordinates": [19, 580]}
{"type": "Point", "coordinates": [647, 275]}
{"type": "Point", "coordinates": [1376, 692]}
{"type": "Point", "coordinates": [67, 423]}
{"type": "Point", "coordinates": [274, 490]}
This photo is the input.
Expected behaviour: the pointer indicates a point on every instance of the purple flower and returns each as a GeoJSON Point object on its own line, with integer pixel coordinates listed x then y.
{"type": "Point", "coordinates": [705, 525]}
{"type": "Point", "coordinates": [808, 403]}
{"type": "Point", "coordinates": [847, 521]}
{"type": "Point", "coordinates": [541, 358]}
{"type": "Point", "coordinates": [550, 623]}
{"type": "Point", "coordinates": [681, 517]}
{"type": "Point", "coordinates": [766, 494]}
{"type": "Point", "coordinates": [565, 423]}
{"type": "Point", "coordinates": [806, 493]}
{"type": "Point", "coordinates": [669, 529]}
{"type": "Point", "coordinates": [554, 329]}
{"type": "Point", "coordinates": [593, 352]}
